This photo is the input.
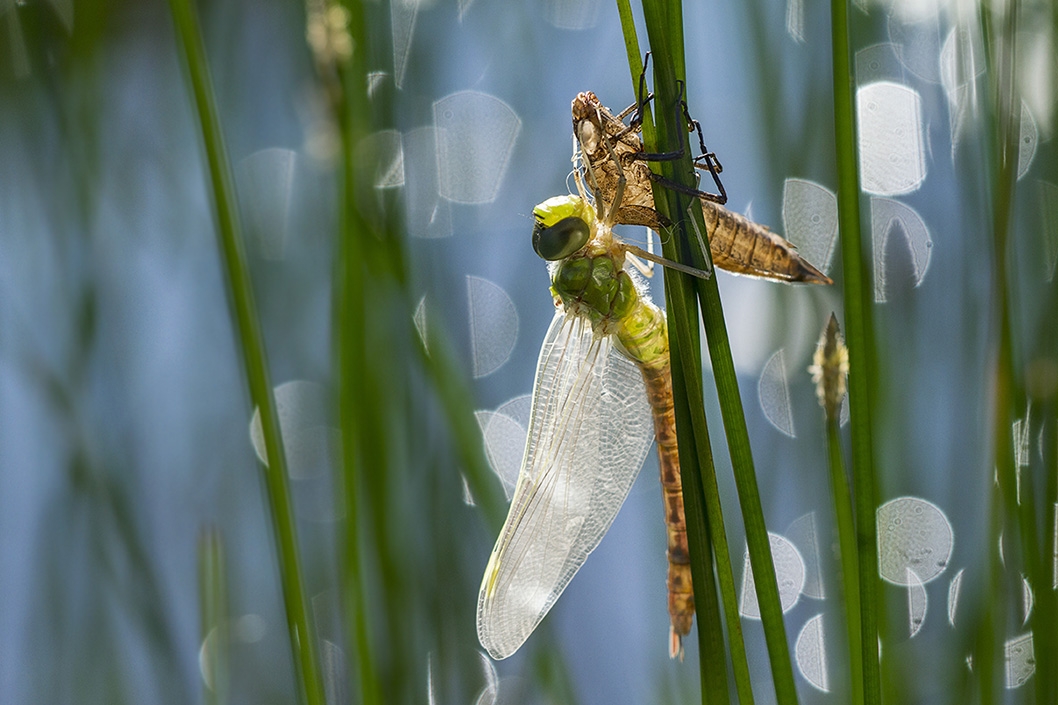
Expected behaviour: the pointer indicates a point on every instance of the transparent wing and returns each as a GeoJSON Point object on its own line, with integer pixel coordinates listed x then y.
{"type": "Point", "coordinates": [589, 432]}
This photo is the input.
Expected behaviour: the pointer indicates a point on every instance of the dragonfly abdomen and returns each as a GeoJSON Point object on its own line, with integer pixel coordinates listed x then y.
{"type": "Point", "coordinates": [739, 245]}
{"type": "Point", "coordinates": [644, 337]}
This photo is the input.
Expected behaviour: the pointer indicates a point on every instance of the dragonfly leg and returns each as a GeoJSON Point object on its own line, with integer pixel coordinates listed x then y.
{"type": "Point", "coordinates": [636, 108]}
{"type": "Point", "coordinates": [707, 160]}
{"type": "Point", "coordinates": [642, 98]}
{"type": "Point", "coordinates": [629, 110]}
{"type": "Point", "coordinates": [711, 162]}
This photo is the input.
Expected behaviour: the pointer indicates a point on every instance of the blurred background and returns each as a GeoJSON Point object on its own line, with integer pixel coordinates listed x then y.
{"type": "Point", "coordinates": [125, 422]}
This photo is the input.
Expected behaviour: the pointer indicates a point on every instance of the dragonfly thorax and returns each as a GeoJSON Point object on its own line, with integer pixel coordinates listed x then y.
{"type": "Point", "coordinates": [595, 287]}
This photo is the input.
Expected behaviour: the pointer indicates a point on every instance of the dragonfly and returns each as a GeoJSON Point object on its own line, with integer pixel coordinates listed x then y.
{"type": "Point", "coordinates": [601, 395]}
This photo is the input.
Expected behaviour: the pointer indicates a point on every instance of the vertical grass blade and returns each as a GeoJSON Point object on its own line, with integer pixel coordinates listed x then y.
{"type": "Point", "coordinates": [255, 365]}
{"type": "Point", "coordinates": [860, 342]}
{"type": "Point", "coordinates": [213, 619]}
{"type": "Point", "coordinates": [1004, 119]}
{"type": "Point", "coordinates": [350, 327]}
{"type": "Point", "coordinates": [705, 525]}
{"type": "Point", "coordinates": [850, 583]}
{"type": "Point", "coordinates": [1047, 601]}
{"type": "Point", "coordinates": [664, 27]}
{"type": "Point", "coordinates": [830, 367]}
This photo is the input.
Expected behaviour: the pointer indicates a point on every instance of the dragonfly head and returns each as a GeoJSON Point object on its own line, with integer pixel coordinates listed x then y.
{"type": "Point", "coordinates": [563, 226]}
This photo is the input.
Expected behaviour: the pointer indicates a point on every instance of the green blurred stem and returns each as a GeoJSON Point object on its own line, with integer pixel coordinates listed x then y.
{"type": "Point", "coordinates": [213, 625]}
{"type": "Point", "coordinates": [454, 396]}
{"type": "Point", "coordinates": [348, 89]}
{"type": "Point", "coordinates": [255, 365]}
{"type": "Point", "coordinates": [839, 487]}
{"type": "Point", "coordinates": [1046, 627]}
{"type": "Point", "coordinates": [860, 343]}
{"type": "Point", "coordinates": [1005, 116]}
{"type": "Point", "coordinates": [351, 329]}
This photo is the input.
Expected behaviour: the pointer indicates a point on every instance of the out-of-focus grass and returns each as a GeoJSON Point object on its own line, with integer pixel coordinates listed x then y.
{"type": "Point", "coordinates": [1010, 518]}
{"type": "Point", "coordinates": [221, 182]}
{"type": "Point", "coordinates": [406, 599]}
{"type": "Point", "coordinates": [214, 629]}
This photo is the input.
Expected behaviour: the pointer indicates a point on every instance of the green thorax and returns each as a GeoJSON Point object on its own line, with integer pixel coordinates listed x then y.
{"type": "Point", "coordinates": [591, 281]}
{"type": "Point", "coordinates": [594, 287]}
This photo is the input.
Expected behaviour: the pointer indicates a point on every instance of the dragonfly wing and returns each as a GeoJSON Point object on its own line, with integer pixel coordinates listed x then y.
{"type": "Point", "coordinates": [589, 432]}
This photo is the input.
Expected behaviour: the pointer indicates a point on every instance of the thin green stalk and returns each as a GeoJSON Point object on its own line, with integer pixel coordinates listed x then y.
{"type": "Point", "coordinates": [698, 474]}
{"type": "Point", "coordinates": [700, 446]}
{"type": "Point", "coordinates": [705, 525]}
{"type": "Point", "coordinates": [860, 343]}
{"type": "Point", "coordinates": [1046, 627]}
{"type": "Point", "coordinates": [213, 620]}
{"type": "Point", "coordinates": [664, 26]}
{"type": "Point", "coordinates": [992, 619]}
{"type": "Point", "coordinates": [846, 525]}
{"type": "Point", "coordinates": [687, 394]}
{"type": "Point", "coordinates": [668, 46]}
{"type": "Point", "coordinates": [703, 483]}
{"type": "Point", "coordinates": [351, 331]}
{"type": "Point", "coordinates": [454, 396]}
{"type": "Point", "coordinates": [346, 82]}
{"type": "Point", "coordinates": [255, 364]}
{"type": "Point", "coordinates": [1006, 122]}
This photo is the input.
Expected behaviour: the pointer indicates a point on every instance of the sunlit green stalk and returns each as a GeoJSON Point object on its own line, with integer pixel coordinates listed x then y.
{"type": "Point", "coordinates": [1046, 627]}
{"type": "Point", "coordinates": [351, 334]}
{"type": "Point", "coordinates": [255, 365]}
{"type": "Point", "coordinates": [705, 525]}
{"type": "Point", "coordinates": [860, 343]}
{"type": "Point", "coordinates": [846, 526]}
{"type": "Point", "coordinates": [664, 26]}
{"type": "Point", "coordinates": [668, 45]}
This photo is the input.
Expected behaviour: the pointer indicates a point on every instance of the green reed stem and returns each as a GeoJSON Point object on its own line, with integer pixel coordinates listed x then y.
{"type": "Point", "coordinates": [1046, 626]}
{"type": "Point", "coordinates": [360, 412]}
{"type": "Point", "coordinates": [860, 342]}
{"type": "Point", "coordinates": [665, 28]}
{"type": "Point", "coordinates": [692, 439]}
{"type": "Point", "coordinates": [669, 68]}
{"type": "Point", "coordinates": [1005, 122]}
{"type": "Point", "coordinates": [255, 364]}
{"type": "Point", "coordinates": [846, 525]}
{"type": "Point", "coordinates": [213, 621]}
{"type": "Point", "coordinates": [351, 333]}
{"type": "Point", "coordinates": [456, 400]}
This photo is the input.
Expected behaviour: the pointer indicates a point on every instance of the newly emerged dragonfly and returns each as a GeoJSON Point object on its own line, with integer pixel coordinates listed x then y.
{"type": "Point", "coordinates": [602, 392]}
{"type": "Point", "coordinates": [589, 430]}
{"type": "Point", "coordinates": [736, 243]}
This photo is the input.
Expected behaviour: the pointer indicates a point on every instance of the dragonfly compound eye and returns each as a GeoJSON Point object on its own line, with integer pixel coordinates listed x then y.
{"type": "Point", "coordinates": [561, 239]}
